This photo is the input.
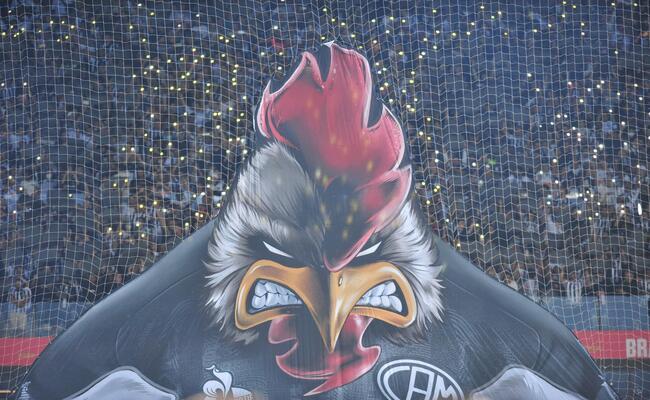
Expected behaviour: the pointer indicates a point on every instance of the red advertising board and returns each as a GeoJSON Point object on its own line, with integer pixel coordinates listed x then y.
{"type": "Point", "coordinates": [616, 345]}
{"type": "Point", "coordinates": [608, 345]}
{"type": "Point", "coordinates": [21, 351]}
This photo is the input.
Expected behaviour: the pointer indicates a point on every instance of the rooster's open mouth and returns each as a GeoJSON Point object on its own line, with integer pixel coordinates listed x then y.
{"type": "Point", "coordinates": [377, 290]}
{"type": "Point", "coordinates": [268, 294]}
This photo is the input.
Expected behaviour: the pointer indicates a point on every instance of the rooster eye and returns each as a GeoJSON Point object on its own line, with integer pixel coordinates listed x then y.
{"type": "Point", "coordinates": [369, 250]}
{"type": "Point", "coordinates": [275, 250]}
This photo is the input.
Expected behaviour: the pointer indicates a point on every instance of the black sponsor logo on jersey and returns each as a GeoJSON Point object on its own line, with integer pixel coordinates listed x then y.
{"type": "Point", "coordinates": [416, 380]}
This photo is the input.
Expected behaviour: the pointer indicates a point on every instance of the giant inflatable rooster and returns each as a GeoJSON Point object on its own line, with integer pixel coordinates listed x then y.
{"type": "Point", "coordinates": [319, 279]}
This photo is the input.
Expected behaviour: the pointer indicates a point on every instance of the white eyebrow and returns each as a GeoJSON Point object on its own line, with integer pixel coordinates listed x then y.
{"type": "Point", "coordinates": [275, 250]}
{"type": "Point", "coordinates": [369, 250]}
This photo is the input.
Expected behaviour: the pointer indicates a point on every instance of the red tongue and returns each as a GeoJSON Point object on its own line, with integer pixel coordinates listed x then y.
{"type": "Point", "coordinates": [309, 359]}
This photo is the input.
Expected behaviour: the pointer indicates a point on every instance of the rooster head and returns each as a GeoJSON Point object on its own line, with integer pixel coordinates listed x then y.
{"type": "Point", "coordinates": [320, 241]}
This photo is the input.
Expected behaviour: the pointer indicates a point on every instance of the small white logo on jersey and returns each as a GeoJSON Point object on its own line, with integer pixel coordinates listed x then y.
{"type": "Point", "coordinates": [413, 379]}
{"type": "Point", "coordinates": [221, 388]}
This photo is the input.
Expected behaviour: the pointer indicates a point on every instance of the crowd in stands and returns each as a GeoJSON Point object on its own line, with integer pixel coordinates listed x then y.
{"type": "Point", "coordinates": [122, 124]}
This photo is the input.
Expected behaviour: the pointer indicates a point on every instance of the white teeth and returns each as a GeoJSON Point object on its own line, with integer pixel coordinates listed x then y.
{"type": "Point", "coordinates": [258, 302]}
{"type": "Point", "coordinates": [269, 294]}
{"type": "Point", "coordinates": [272, 299]}
{"type": "Point", "coordinates": [395, 303]}
{"type": "Point", "coordinates": [271, 287]}
{"type": "Point", "coordinates": [281, 290]}
{"type": "Point", "coordinates": [382, 296]}
{"type": "Point", "coordinates": [390, 288]}
{"type": "Point", "coordinates": [260, 290]}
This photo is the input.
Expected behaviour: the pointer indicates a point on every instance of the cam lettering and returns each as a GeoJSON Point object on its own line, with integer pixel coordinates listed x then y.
{"type": "Point", "coordinates": [443, 391]}
{"type": "Point", "coordinates": [416, 380]}
{"type": "Point", "coordinates": [412, 383]}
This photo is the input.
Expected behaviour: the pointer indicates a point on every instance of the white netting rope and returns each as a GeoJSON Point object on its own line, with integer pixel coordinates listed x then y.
{"type": "Point", "coordinates": [123, 124]}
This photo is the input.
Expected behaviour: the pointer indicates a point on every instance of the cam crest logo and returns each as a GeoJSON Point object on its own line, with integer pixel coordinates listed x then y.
{"type": "Point", "coordinates": [413, 379]}
{"type": "Point", "coordinates": [220, 388]}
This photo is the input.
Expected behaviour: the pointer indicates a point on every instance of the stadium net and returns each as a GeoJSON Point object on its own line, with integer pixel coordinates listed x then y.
{"type": "Point", "coordinates": [124, 122]}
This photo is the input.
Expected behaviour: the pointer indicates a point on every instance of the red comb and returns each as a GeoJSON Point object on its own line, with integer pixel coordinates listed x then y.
{"type": "Point", "coordinates": [326, 122]}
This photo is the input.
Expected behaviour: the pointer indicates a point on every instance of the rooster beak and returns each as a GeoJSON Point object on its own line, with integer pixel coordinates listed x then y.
{"type": "Point", "coordinates": [329, 297]}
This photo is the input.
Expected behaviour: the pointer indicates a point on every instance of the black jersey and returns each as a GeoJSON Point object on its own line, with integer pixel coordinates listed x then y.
{"type": "Point", "coordinates": [152, 340]}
